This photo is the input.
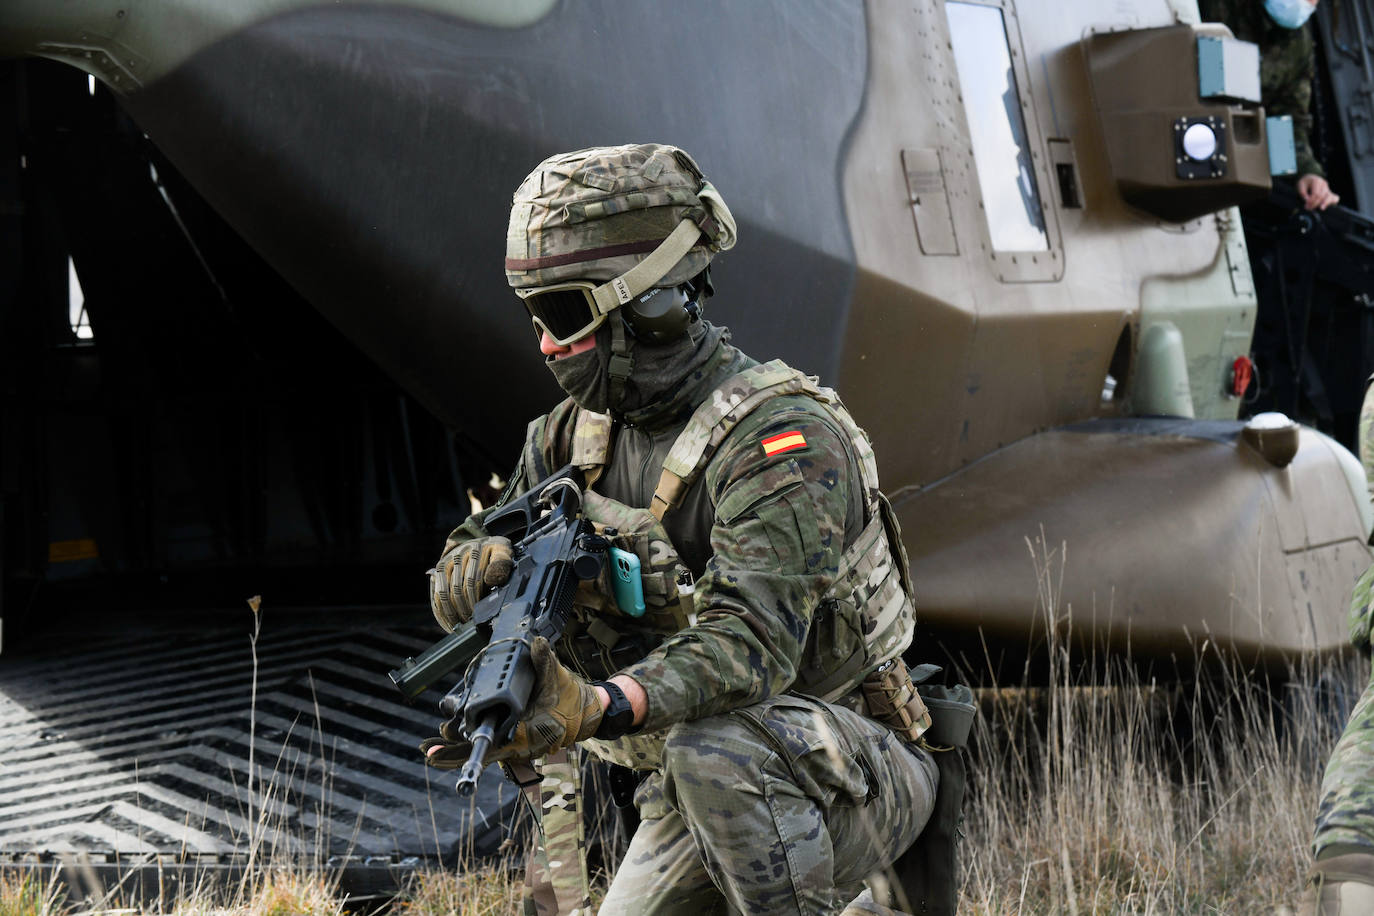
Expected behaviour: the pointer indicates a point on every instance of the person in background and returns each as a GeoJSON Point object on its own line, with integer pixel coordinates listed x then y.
{"type": "Point", "coordinates": [1287, 62]}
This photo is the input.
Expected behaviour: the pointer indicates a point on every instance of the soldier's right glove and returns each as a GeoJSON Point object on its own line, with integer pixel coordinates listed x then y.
{"type": "Point", "coordinates": [466, 573]}
{"type": "Point", "coordinates": [563, 710]}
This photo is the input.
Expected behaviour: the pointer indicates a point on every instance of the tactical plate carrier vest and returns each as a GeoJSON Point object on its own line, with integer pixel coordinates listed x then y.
{"type": "Point", "coordinates": [866, 618]}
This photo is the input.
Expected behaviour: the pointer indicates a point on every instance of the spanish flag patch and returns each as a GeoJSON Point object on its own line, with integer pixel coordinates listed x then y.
{"type": "Point", "coordinates": [783, 442]}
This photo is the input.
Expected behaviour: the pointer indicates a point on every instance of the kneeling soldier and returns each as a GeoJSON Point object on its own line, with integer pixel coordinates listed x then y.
{"type": "Point", "coordinates": [775, 583]}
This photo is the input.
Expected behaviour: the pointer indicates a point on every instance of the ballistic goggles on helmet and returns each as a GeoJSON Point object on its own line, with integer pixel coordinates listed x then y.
{"type": "Point", "coordinates": [564, 311]}
{"type": "Point", "coordinates": [572, 310]}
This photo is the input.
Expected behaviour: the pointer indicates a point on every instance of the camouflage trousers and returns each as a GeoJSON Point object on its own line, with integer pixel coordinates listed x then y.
{"type": "Point", "coordinates": [783, 807]}
{"type": "Point", "coordinates": [1345, 813]}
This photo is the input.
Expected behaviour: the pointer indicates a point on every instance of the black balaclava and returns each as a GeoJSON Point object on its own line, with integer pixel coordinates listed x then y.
{"type": "Point", "coordinates": [585, 377]}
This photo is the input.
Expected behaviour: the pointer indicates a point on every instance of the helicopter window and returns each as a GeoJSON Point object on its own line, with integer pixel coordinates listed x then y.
{"type": "Point", "coordinates": [1001, 147]}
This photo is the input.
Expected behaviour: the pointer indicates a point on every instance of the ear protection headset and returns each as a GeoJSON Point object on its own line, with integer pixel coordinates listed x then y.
{"type": "Point", "coordinates": [661, 316]}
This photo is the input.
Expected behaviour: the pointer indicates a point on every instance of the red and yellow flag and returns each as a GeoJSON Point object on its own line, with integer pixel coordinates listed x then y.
{"type": "Point", "coordinates": [783, 442]}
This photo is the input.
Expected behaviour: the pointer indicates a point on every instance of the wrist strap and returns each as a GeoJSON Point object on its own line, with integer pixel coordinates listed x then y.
{"type": "Point", "coordinates": [612, 688]}
{"type": "Point", "coordinates": [619, 716]}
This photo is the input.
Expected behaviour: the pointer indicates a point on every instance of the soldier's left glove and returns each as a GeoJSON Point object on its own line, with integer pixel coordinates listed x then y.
{"type": "Point", "coordinates": [563, 710]}
{"type": "Point", "coordinates": [466, 573]}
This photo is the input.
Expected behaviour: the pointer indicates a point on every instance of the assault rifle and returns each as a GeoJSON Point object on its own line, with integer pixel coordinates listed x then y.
{"type": "Point", "coordinates": [553, 548]}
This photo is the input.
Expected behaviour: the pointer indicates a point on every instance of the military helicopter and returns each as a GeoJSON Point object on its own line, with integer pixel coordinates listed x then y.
{"type": "Point", "coordinates": [1005, 231]}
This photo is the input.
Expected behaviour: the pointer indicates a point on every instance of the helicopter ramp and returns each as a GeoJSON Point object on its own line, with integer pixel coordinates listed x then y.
{"type": "Point", "coordinates": [172, 747]}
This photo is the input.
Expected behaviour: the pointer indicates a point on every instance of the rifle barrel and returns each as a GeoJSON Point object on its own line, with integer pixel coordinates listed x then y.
{"type": "Point", "coordinates": [472, 770]}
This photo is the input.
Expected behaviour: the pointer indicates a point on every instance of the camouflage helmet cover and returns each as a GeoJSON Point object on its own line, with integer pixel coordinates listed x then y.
{"type": "Point", "coordinates": [593, 214]}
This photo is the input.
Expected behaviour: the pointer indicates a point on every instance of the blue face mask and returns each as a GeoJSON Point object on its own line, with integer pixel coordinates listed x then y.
{"type": "Point", "coordinates": [1290, 14]}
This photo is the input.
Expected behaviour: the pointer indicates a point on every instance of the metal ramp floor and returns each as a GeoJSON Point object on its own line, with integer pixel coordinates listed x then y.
{"type": "Point", "coordinates": [135, 745]}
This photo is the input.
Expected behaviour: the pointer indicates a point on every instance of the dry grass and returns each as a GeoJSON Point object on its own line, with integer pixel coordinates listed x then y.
{"type": "Point", "coordinates": [1115, 796]}
{"type": "Point", "coordinates": [1115, 811]}
{"type": "Point", "coordinates": [278, 891]}
{"type": "Point", "coordinates": [484, 891]}
{"type": "Point", "coordinates": [1122, 796]}
{"type": "Point", "coordinates": [23, 893]}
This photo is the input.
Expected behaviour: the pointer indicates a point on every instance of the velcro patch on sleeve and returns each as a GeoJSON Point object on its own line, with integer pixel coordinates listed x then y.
{"type": "Point", "coordinates": [783, 442]}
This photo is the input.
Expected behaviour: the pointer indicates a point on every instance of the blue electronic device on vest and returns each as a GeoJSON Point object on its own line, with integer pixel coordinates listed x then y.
{"type": "Point", "coordinates": [625, 582]}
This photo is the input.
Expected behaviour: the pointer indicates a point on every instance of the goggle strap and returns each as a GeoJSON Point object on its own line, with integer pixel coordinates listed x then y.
{"type": "Point", "coordinates": [621, 363]}
{"type": "Point", "coordinates": [611, 296]}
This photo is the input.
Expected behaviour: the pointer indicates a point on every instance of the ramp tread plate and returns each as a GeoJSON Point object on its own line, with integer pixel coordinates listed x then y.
{"type": "Point", "coordinates": [139, 745]}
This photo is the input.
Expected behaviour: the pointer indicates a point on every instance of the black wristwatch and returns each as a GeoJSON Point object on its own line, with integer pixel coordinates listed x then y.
{"type": "Point", "coordinates": [619, 717]}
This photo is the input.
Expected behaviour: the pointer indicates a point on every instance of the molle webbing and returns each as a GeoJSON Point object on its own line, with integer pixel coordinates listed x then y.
{"type": "Point", "coordinates": [892, 699]}
{"type": "Point", "coordinates": [870, 579]}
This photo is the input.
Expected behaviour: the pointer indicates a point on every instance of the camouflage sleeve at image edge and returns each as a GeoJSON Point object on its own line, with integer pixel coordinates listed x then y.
{"type": "Point", "coordinates": [1345, 811]}
{"type": "Point", "coordinates": [1360, 601]}
{"type": "Point", "coordinates": [1360, 610]}
{"type": "Point", "coordinates": [777, 537]}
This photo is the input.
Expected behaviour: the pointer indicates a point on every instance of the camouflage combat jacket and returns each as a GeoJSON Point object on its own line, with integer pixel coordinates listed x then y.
{"type": "Point", "coordinates": [783, 531]}
{"type": "Point", "coordinates": [1287, 63]}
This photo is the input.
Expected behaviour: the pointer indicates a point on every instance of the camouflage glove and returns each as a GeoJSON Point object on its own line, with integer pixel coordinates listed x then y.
{"type": "Point", "coordinates": [563, 710]}
{"type": "Point", "coordinates": [466, 573]}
